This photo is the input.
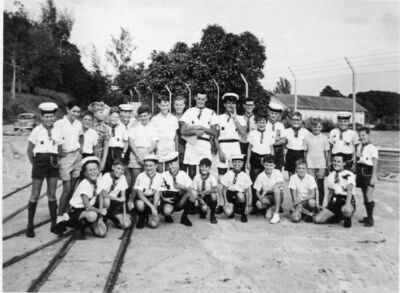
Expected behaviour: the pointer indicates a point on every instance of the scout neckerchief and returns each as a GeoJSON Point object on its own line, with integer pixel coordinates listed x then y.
{"type": "Point", "coordinates": [114, 181]}
{"type": "Point", "coordinates": [229, 117]}
{"type": "Point", "coordinates": [113, 129]}
{"type": "Point", "coordinates": [151, 178]}
{"type": "Point", "coordinates": [236, 176]}
{"type": "Point", "coordinates": [248, 117]}
{"type": "Point", "coordinates": [296, 131]}
{"type": "Point", "coordinates": [203, 183]}
{"type": "Point", "coordinates": [200, 111]}
{"type": "Point", "coordinates": [363, 145]}
{"type": "Point", "coordinates": [174, 176]}
{"type": "Point", "coordinates": [341, 133]}
{"type": "Point", "coordinates": [49, 131]}
{"type": "Point", "coordinates": [336, 177]}
{"type": "Point", "coordinates": [262, 135]}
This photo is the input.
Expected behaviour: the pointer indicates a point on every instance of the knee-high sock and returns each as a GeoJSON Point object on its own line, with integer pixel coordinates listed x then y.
{"type": "Point", "coordinates": [31, 213]}
{"type": "Point", "coordinates": [370, 209]}
{"type": "Point", "coordinates": [321, 190]}
{"type": "Point", "coordinates": [213, 206]}
{"type": "Point", "coordinates": [53, 212]}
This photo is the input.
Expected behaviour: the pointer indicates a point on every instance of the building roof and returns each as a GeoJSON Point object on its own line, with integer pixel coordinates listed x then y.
{"type": "Point", "coordinates": [319, 103]}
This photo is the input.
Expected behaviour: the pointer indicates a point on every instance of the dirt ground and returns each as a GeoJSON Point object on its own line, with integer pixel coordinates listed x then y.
{"type": "Point", "coordinates": [228, 257]}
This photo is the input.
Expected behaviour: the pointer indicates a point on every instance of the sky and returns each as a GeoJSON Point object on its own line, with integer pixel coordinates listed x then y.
{"type": "Point", "coordinates": [310, 37]}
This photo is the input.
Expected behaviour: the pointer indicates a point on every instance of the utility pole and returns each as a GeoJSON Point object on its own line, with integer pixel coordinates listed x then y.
{"type": "Point", "coordinates": [170, 98]}
{"type": "Point", "coordinates": [190, 95]}
{"type": "Point", "coordinates": [152, 99]}
{"type": "Point", "coordinates": [136, 90]}
{"type": "Point", "coordinates": [354, 92]}
{"type": "Point", "coordinates": [131, 93]}
{"type": "Point", "coordinates": [246, 85]}
{"type": "Point", "coordinates": [295, 89]}
{"type": "Point", "coordinates": [216, 84]}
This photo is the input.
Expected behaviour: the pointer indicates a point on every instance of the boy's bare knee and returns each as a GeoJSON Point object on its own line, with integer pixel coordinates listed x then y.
{"type": "Point", "coordinates": [312, 203]}
{"type": "Point", "coordinates": [204, 208]}
{"type": "Point", "coordinates": [91, 216]}
{"type": "Point", "coordinates": [214, 196]}
{"type": "Point", "coordinates": [139, 205]}
{"type": "Point", "coordinates": [259, 205]}
{"type": "Point", "coordinates": [168, 209]}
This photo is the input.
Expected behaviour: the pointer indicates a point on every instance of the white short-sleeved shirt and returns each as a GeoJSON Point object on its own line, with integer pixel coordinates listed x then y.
{"type": "Point", "coordinates": [43, 144]}
{"type": "Point", "coordinates": [276, 130]}
{"type": "Point", "coordinates": [200, 117]}
{"type": "Point", "coordinates": [369, 152]}
{"type": "Point", "coordinates": [304, 187]}
{"type": "Point", "coordinates": [265, 182]}
{"type": "Point", "coordinates": [345, 146]}
{"type": "Point", "coordinates": [166, 130]}
{"type": "Point", "coordinates": [106, 182]}
{"type": "Point", "coordinates": [143, 182]}
{"type": "Point", "coordinates": [243, 181]}
{"type": "Point", "coordinates": [210, 183]}
{"type": "Point", "coordinates": [346, 177]}
{"type": "Point", "coordinates": [143, 135]}
{"type": "Point", "coordinates": [86, 188]}
{"type": "Point", "coordinates": [120, 136]}
{"type": "Point", "coordinates": [261, 148]}
{"type": "Point", "coordinates": [131, 123]}
{"type": "Point", "coordinates": [91, 138]}
{"type": "Point", "coordinates": [250, 125]}
{"type": "Point", "coordinates": [296, 143]}
{"type": "Point", "coordinates": [181, 178]}
{"type": "Point", "coordinates": [316, 145]}
{"type": "Point", "coordinates": [70, 133]}
{"type": "Point", "coordinates": [227, 127]}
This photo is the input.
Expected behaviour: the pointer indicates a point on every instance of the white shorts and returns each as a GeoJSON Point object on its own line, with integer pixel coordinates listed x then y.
{"type": "Point", "coordinates": [195, 152]}
{"type": "Point", "coordinates": [229, 149]}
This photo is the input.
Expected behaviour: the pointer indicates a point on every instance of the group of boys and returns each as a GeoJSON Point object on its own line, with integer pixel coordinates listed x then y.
{"type": "Point", "coordinates": [157, 166]}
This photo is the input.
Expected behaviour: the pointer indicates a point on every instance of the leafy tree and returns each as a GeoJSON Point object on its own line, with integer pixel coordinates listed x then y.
{"type": "Point", "coordinates": [119, 54]}
{"type": "Point", "coordinates": [283, 86]}
{"type": "Point", "coordinates": [328, 91]}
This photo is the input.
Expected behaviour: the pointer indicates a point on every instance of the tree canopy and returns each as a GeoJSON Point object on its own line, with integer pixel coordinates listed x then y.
{"type": "Point", "coordinates": [328, 91]}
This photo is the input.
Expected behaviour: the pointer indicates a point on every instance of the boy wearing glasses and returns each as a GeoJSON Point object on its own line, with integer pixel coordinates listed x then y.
{"type": "Point", "coordinates": [251, 124]}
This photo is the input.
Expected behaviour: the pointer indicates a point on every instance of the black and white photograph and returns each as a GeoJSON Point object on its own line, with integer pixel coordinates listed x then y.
{"type": "Point", "coordinates": [200, 146]}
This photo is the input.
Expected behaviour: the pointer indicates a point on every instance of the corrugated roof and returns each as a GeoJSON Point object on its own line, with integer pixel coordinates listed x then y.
{"type": "Point", "coordinates": [320, 103]}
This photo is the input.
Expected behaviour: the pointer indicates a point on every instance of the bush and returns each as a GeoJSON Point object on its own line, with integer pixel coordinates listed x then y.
{"type": "Point", "coordinates": [387, 126]}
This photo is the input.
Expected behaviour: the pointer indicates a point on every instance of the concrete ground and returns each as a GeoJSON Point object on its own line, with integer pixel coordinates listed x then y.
{"type": "Point", "coordinates": [227, 257]}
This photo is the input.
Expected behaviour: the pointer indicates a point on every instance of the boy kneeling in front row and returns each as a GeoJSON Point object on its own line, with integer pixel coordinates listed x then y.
{"type": "Point", "coordinates": [112, 187]}
{"type": "Point", "coordinates": [237, 190]}
{"type": "Point", "coordinates": [303, 189]}
{"type": "Point", "coordinates": [177, 192]}
{"type": "Point", "coordinates": [205, 189]}
{"type": "Point", "coordinates": [341, 202]}
{"type": "Point", "coordinates": [148, 187]}
{"type": "Point", "coordinates": [269, 189]}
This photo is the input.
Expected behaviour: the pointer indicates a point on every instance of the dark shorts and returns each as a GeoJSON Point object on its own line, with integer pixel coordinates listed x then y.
{"type": "Point", "coordinates": [74, 214]}
{"type": "Point", "coordinates": [113, 154]}
{"type": "Point", "coordinates": [363, 176]}
{"type": "Point", "coordinates": [84, 155]}
{"type": "Point", "coordinates": [337, 202]}
{"type": "Point", "coordinates": [115, 208]}
{"type": "Point", "coordinates": [291, 157]}
{"type": "Point", "coordinates": [256, 161]}
{"type": "Point", "coordinates": [45, 166]}
{"type": "Point", "coordinates": [279, 158]}
{"type": "Point", "coordinates": [175, 195]}
{"type": "Point", "coordinates": [232, 198]}
{"type": "Point", "coordinates": [207, 198]}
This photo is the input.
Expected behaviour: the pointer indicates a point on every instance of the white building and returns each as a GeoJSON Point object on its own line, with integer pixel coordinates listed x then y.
{"type": "Point", "coordinates": [322, 107]}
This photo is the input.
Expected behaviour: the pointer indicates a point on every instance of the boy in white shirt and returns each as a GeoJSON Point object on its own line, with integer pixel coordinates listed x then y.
{"type": "Point", "coordinates": [341, 202]}
{"type": "Point", "coordinates": [179, 107]}
{"type": "Point", "coordinates": [237, 190]}
{"type": "Point", "coordinates": [112, 187]}
{"type": "Point", "coordinates": [344, 140]}
{"type": "Point", "coordinates": [43, 150]}
{"type": "Point", "coordinates": [166, 125]}
{"type": "Point", "coordinates": [90, 135]}
{"type": "Point", "coordinates": [295, 137]}
{"type": "Point", "coordinates": [205, 188]}
{"type": "Point", "coordinates": [367, 161]}
{"type": "Point", "coordinates": [269, 189]}
{"type": "Point", "coordinates": [276, 130]}
{"type": "Point", "coordinates": [148, 187]}
{"type": "Point", "coordinates": [303, 190]}
{"type": "Point", "coordinates": [118, 143]}
{"type": "Point", "coordinates": [178, 193]}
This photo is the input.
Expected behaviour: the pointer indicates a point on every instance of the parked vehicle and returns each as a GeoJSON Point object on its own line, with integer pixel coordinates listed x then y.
{"type": "Point", "coordinates": [25, 121]}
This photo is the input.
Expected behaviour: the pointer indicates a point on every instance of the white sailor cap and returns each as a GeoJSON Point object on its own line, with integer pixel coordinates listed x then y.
{"type": "Point", "coordinates": [237, 157]}
{"type": "Point", "coordinates": [90, 159]}
{"type": "Point", "coordinates": [230, 95]}
{"type": "Point", "coordinates": [343, 115]}
{"type": "Point", "coordinates": [170, 157]}
{"type": "Point", "coordinates": [275, 107]}
{"type": "Point", "coordinates": [126, 107]}
{"type": "Point", "coordinates": [150, 157]}
{"type": "Point", "coordinates": [48, 107]}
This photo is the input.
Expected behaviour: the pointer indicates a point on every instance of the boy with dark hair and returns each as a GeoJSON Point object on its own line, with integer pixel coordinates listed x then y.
{"type": "Point", "coordinates": [205, 188]}
{"type": "Point", "coordinates": [276, 130]}
{"type": "Point", "coordinates": [269, 189]}
{"type": "Point", "coordinates": [341, 202]}
{"type": "Point", "coordinates": [367, 161]}
{"type": "Point", "coordinates": [237, 190]}
{"type": "Point", "coordinates": [179, 107]}
{"type": "Point", "coordinates": [249, 117]}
